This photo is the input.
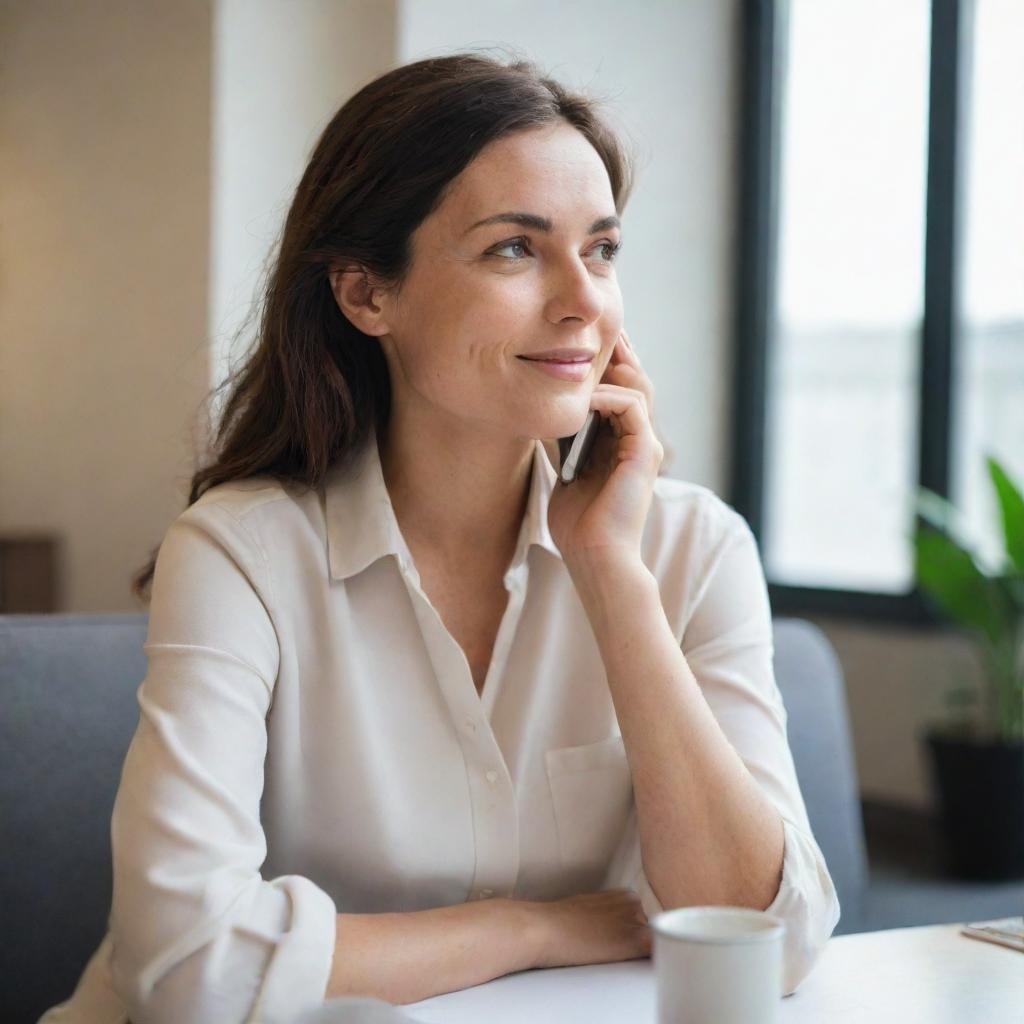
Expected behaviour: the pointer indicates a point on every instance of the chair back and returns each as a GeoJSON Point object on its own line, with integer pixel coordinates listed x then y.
{"type": "Point", "coordinates": [67, 686]}
{"type": "Point", "coordinates": [810, 680]}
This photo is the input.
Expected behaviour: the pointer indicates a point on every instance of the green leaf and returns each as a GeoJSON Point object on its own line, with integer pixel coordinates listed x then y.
{"type": "Point", "coordinates": [1011, 505]}
{"type": "Point", "coordinates": [1002, 611]}
{"type": "Point", "coordinates": [948, 574]}
{"type": "Point", "coordinates": [940, 513]}
{"type": "Point", "coordinates": [1014, 587]}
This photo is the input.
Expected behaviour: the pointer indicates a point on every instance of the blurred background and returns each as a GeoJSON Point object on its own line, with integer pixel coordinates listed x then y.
{"type": "Point", "coordinates": [824, 275]}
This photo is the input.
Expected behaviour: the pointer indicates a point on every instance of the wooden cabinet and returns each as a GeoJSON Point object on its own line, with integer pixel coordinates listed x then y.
{"type": "Point", "coordinates": [28, 573]}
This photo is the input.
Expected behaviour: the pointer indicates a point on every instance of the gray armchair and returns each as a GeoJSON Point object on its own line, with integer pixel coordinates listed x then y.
{"type": "Point", "coordinates": [68, 687]}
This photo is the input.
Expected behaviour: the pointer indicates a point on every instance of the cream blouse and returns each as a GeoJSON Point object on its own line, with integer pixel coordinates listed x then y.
{"type": "Point", "coordinates": [311, 742]}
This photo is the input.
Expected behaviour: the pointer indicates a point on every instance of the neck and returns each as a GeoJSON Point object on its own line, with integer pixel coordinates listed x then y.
{"type": "Point", "coordinates": [456, 492]}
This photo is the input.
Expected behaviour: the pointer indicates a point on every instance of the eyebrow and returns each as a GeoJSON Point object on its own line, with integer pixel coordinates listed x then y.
{"type": "Point", "coordinates": [533, 220]}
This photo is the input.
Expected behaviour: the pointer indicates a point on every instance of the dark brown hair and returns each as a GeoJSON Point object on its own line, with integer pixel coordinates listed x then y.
{"type": "Point", "coordinates": [305, 396]}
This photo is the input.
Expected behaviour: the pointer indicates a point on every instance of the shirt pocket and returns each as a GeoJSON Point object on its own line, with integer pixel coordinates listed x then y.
{"type": "Point", "coordinates": [592, 794]}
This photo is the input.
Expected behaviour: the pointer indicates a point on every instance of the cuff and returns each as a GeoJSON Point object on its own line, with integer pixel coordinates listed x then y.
{"type": "Point", "coordinates": [296, 979]}
{"type": "Point", "coordinates": [806, 902]}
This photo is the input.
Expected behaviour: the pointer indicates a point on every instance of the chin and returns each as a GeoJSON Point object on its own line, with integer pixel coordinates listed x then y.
{"type": "Point", "coordinates": [552, 419]}
{"type": "Point", "coordinates": [560, 426]}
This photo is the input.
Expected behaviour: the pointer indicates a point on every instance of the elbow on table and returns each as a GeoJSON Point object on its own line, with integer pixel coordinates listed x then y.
{"type": "Point", "coordinates": [208, 986]}
{"type": "Point", "coordinates": [806, 902]}
{"type": "Point", "coordinates": [153, 993]}
{"type": "Point", "coordinates": [265, 956]}
{"type": "Point", "coordinates": [142, 1004]}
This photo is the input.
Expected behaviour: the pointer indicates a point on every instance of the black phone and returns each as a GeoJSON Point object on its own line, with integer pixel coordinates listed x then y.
{"type": "Point", "coordinates": [574, 450]}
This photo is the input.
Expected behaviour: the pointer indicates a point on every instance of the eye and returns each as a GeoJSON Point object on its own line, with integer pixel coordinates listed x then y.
{"type": "Point", "coordinates": [610, 248]}
{"type": "Point", "coordinates": [512, 243]}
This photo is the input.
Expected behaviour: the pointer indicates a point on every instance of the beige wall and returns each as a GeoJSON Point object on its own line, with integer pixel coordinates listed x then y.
{"type": "Point", "coordinates": [104, 201]}
{"type": "Point", "coordinates": [149, 152]}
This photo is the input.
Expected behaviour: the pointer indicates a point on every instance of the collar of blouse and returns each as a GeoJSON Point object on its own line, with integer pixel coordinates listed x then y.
{"type": "Point", "coordinates": [361, 522]}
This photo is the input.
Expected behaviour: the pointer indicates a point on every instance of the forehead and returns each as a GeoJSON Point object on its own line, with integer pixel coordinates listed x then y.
{"type": "Point", "coordinates": [552, 171]}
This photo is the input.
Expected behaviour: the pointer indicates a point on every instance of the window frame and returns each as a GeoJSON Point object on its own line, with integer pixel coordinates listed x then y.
{"type": "Point", "coordinates": [762, 50]}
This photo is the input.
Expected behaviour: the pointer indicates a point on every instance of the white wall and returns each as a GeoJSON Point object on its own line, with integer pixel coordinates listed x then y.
{"type": "Point", "coordinates": [281, 70]}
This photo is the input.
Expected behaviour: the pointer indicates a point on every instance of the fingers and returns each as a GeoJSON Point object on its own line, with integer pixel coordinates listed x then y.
{"type": "Point", "coordinates": [626, 395]}
{"type": "Point", "coordinates": [623, 354]}
{"type": "Point", "coordinates": [626, 366]}
{"type": "Point", "coordinates": [626, 408]}
{"type": "Point", "coordinates": [628, 351]}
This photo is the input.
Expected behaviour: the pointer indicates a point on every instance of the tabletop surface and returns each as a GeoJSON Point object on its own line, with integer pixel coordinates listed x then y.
{"type": "Point", "coordinates": [929, 974]}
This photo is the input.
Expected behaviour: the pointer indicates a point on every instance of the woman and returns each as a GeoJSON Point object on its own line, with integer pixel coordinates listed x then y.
{"type": "Point", "coordinates": [417, 714]}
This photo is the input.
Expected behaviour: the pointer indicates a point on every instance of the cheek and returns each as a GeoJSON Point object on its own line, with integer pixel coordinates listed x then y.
{"type": "Point", "coordinates": [493, 332]}
{"type": "Point", "coordinates": [455, 356]}
{"type": "Point", "coordinates": [505, 295]}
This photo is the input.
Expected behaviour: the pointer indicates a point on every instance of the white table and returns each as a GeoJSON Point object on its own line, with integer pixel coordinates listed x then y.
{"type": "Point", "coordinates": [925, 975]}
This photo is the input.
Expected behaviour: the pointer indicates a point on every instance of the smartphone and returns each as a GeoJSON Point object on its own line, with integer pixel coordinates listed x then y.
{"type": "Point", "coordinates": [1007, 931]}
{"type": "Point", "coordinates": [574, 450]}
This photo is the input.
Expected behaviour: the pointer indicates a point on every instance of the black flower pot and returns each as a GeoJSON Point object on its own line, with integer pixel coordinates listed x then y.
{"type": "Point", "coordinates": [980, 789]}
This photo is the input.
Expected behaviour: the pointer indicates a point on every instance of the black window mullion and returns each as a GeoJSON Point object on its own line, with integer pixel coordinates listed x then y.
{"type": "Point", "coordinates": [949, 19]}
{"type": "Point", "coordinates": [757, 207]}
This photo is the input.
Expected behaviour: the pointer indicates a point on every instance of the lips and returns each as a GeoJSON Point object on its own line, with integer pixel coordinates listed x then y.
{"type": "Point", "coordinates": [561, 355]}
{"type": "Point", "coordinates": [577, 371]}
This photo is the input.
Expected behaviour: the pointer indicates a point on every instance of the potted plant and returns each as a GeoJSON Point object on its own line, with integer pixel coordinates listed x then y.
{"type": "Point", "coordinates": [977, 759]}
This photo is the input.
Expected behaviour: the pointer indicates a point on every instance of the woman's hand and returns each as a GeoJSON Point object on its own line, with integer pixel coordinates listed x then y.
{"type": "Point", "coordinates": [601, 514]}
{"type": "Point", "coordinates": [591, 928]}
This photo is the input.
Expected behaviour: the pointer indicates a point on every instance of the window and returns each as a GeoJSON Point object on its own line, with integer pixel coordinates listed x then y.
{"type": "Point", "coordinates": [880, 326]}
{"type": "Point", "coordinates": [989, 384]}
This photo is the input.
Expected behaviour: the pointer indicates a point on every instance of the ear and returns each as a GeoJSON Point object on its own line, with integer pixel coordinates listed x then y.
{"type": "Point", "coordinates": [359, 298]}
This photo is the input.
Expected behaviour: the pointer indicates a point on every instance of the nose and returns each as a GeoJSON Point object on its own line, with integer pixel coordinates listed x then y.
{"type": "Point", "coordinates": [573, 293]}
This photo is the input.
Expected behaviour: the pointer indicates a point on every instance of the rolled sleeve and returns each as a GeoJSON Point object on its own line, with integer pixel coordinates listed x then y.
{"type": "Point", "coordinates": [196, 933]}
{"type": "Point", "coordinates": [807, 903]}
{"type": "Point", "coordinates": [728, 644]}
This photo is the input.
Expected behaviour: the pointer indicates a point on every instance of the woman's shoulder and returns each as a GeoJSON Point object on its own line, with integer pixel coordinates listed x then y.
{"type": "Point", "coordinates": [689, 530]}
{"type": "Point", "coordinates": [686, 507]}
{"type": "Point", "coordinates": [687, 523]}
{"type": "Point", "coordinates": [263, 504]}
{"type": "Point", "coordinates": [243, 495]}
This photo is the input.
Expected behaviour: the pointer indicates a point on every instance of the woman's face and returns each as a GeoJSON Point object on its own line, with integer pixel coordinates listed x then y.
{"type": "Point", "coordinates": [479, 297]}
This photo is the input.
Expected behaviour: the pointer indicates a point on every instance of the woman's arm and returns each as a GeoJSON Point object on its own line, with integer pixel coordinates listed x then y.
{"type": "Point", "coordinates": [709, 834]}
{"type": "Point", "coordinates": [197, 934]}
{"type": "Point", "coordinates": [721, 818]}
{"type": "Point", "coordinates": [406, 957]}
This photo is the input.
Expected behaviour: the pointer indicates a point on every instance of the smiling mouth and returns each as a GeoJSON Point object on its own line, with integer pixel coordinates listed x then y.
{"type": "Point", "coordinates": [564, 362]}
{"type": "Point", "coordinates": [571, 371]}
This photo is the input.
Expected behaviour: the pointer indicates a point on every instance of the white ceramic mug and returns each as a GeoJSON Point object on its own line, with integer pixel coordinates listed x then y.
{"type": "Point", "coordinates": [717, 965]}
